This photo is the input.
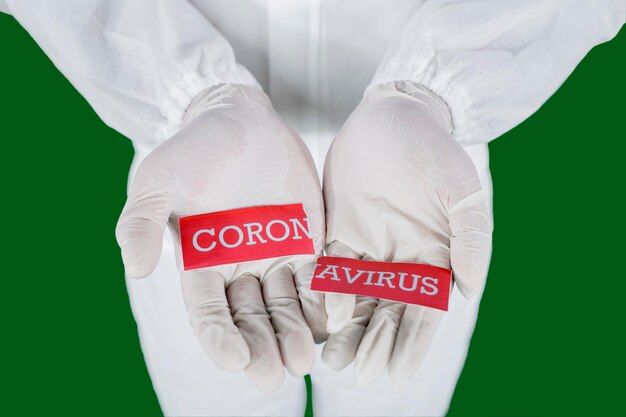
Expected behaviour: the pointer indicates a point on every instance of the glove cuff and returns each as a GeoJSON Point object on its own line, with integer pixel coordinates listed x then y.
{"type": "Point", "coordinates": [417, 92]}
{"type": "Point", "coordinates": [224, 95]}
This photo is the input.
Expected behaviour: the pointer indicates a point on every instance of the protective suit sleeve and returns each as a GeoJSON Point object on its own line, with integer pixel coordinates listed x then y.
{"type": "Point", "coordinates": [495, 62]}
{"type": "Point", "coordinates": [138, 63]}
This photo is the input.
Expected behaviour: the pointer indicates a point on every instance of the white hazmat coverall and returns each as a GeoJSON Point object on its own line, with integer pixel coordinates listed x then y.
{"type": "Point", "coordinates": [140, 63]}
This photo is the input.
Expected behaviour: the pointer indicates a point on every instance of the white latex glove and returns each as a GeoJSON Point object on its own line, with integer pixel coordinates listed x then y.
{"type": "Point", "coordinates": [399, 188]}
{"type": "Point", "coordinates": [233, 151]}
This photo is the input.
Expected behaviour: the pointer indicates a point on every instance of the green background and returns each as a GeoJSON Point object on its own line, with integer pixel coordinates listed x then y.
{"type": "Point", "coordinates": [550, 336]}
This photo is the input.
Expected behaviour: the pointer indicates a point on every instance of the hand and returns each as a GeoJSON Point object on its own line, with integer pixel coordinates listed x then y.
{"type": "Point", "coordinates": [233, 151]}
{"type": "Point", "coordinates": [399, 188]}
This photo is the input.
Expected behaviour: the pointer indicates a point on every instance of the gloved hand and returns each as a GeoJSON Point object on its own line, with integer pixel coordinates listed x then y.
{"type": "Point", "coordinates": [233, 151]}
{"type": "Point", "coordinates": [399, 188]}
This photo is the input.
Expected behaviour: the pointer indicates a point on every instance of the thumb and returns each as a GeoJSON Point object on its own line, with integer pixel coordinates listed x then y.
{"type": "Point", "coordinates": [470, 245]}
{"type": "Point", "coordinates": [339, 307]}
{"type": "Point", "coordinates": [312, 302]}
{"type": "Point", "coordinates": [140, 228]}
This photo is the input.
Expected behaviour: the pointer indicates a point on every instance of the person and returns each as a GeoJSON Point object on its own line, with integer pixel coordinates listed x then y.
{"type": "Point", "coordinates": [185, 80]}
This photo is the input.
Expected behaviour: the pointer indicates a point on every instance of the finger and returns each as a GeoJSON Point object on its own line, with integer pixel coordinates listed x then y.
{"type": "Point", "coordinates": [339, 307]}
{"type": "Point", "coordinates": [415, 335]}
{"type": "Point", "coordinates": [375, 349]}
{"type": "Point", "coordinates": [470, 245]}
{"type": "Point", "coordinates": [265, 369]}
{"type": "Point", "coordinates": [341, 347]}
{"type": "Point", "coordinates": [312, 302]}
{"type": "Point", "coordinates": [339, 310]}
{"type": "Point", "coordinates": [210, 317]}
{"type": "Point", "coordinates": [295, 341]}
{"type": "Point", "coordinates": [140, 228]}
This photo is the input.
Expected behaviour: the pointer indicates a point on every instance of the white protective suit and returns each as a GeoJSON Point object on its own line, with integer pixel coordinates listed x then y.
{"type": "Point", "coordinates": [140, 63]}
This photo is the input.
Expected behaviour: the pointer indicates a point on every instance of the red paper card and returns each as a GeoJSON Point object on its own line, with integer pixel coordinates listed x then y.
{"type": "Point", "coordinates": [409, 283]}
{"type": "Point", "coordinates": [244, 234]}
